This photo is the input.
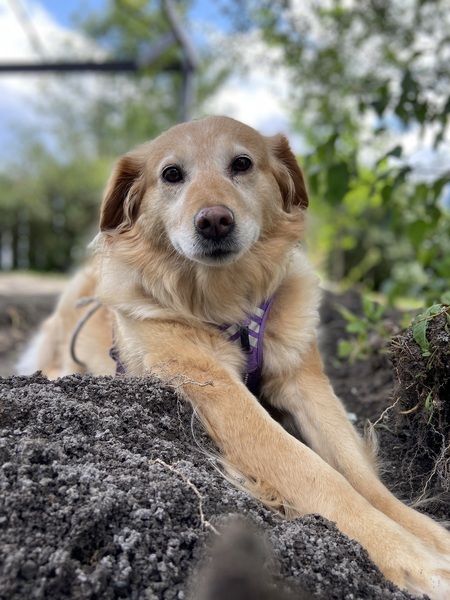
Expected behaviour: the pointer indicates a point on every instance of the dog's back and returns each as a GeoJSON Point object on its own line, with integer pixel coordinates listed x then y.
{"type": "Point", "coordinates": [78, 331]}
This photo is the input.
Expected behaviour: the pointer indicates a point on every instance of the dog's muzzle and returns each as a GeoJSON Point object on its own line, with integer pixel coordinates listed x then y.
{"type": "Point", "coordinates": [214, 226]}
{"type": "Point", "coordinates": [214, 222]}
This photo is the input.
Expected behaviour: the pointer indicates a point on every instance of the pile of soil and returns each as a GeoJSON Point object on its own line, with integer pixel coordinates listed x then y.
{"type": "Point", "coordinates": [421, 359]}
{"type": "Point", "coordinates": [110, 490]}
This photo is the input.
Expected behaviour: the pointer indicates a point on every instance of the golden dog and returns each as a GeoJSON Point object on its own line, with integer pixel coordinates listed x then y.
{"type": "Point", "coordinates": [198, 229]}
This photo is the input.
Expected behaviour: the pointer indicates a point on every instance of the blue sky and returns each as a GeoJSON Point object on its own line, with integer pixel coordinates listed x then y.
{"type": "Point", "coordinates": [258, 98]}
{"type": "Point", "coordinates": [63, 10]}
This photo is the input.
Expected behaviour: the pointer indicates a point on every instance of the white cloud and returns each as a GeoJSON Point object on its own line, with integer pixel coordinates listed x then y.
{"type": "Point", "coordinates": [55, 41]}
{"type": "Point", "coordinates": [20, 94]}
{"type": "Point", "coordinates": [258, 98]}
{"type": "Point", "coordinates": [258, 93]}
{"type": "Point", "coordinates": [250, 100]}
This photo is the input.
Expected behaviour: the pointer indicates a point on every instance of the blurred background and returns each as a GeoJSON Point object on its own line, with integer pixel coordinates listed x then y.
{"type": "Point", "coordinates": [361, 89]}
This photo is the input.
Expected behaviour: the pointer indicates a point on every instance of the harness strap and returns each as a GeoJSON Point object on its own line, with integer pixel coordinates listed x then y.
{"type": "Point", "coordinates": [114, 354]}
{"type": "Point", "coordinates": [79, 326]}
{"type": "Point", "coordinates": [248, 335]}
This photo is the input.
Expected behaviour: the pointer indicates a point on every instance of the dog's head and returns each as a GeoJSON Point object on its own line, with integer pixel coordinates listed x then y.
{"type": "Point", "coordinates": [209, 189]}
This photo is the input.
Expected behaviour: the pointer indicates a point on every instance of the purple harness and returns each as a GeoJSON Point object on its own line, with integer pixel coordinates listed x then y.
{"type": "Point", "coordinates": [248, 335]}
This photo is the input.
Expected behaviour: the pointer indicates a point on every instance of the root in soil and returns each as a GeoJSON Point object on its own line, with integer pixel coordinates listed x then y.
{"type": "Point", "coordinates": [421, 359]}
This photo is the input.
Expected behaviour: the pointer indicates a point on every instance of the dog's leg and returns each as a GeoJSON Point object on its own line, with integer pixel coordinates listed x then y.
{"type": "Point", "coordinates": [280, 466]}
{"type": "Point", "coordinates": [320, 417]}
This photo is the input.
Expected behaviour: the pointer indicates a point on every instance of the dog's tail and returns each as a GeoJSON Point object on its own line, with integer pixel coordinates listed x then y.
{"type": "Point", "coordinates": [50, 351]}
{"type": "Point", "coordinates": [41, 353]}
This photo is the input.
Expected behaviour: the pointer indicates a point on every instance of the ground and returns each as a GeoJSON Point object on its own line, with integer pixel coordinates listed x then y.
{"type": "Point", "coordinates": [110, 490]}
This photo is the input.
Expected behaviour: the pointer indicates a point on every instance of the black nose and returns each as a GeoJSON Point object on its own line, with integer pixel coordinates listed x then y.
{"type": "Point", "coordinates": [214, 222]}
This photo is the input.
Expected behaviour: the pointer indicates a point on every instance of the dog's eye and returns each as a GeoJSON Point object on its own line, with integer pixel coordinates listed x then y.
{"type": "Point", "coordinates": [241, 164]}
{"type": "Point", "coordinates": [172, 174]}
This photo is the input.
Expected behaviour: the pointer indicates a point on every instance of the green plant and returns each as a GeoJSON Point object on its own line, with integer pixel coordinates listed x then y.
{"type": "Point", "coordinates": [429, 406]}
{"type": "Point", "coordinates": [421, 322]}
{"type": "Point", "coordinates": [377, 227]}
{"type": "Point", "coordinates": [365, 77]}
{"type": "Point", "coordinates": [368, 332]}
{"type": "Point", "coordinates": [421, 359]}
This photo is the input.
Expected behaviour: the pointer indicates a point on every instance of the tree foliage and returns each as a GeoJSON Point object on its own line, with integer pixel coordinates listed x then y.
{"type": "Point", "coordinates": [50, 189]}
{"type": "Point", "coordinates": [371, 86]}
{"type": "Point", "coordinates": [133, 108]}
{"type": "Point", "coordinates": [49, 208]}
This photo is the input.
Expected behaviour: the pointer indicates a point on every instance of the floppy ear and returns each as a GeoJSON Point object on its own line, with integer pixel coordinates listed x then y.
{"type": "Point", "coordinates": [123, 194]}
{"type": "Point", "coordinates": [288, 174]}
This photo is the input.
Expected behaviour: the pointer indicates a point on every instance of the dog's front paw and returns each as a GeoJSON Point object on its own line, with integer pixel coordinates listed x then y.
{"type": "Point", "coordinates": [435, 582]}
{"type": "Point", "coordinates": [422, 571]}
{"type": "Point", "coordinates": [406, 559]}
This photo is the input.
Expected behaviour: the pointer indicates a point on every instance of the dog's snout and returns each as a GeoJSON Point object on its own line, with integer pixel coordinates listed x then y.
{"type": "Point", "coordinates": [214, 222]}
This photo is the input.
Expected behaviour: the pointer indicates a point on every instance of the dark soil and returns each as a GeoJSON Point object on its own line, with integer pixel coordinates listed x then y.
{"type": "Point", "coordinates": [109, 490]}
{"type": "Point", "coordinates": [423, 396]}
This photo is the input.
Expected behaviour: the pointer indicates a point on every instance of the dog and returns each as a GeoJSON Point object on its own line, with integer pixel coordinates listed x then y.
{"type": "Point", "coordinates": [200, 279]}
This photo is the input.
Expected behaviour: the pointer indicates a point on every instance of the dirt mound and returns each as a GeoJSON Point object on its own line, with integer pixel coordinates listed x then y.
{"type": "Point", "coordinates": [107, 491]}
{"type": "Point", "coordinates": [421, 357]}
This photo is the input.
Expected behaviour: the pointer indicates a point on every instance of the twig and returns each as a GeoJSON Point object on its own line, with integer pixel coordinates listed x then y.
{"type": "Point", "coordinates": [205, 523]}
{"type": "Point", "coordinates": [185, 380]}
{"type": "Point", "coordinates": [411, 410]}
{"type": "Point", "coordinates": [434, 470]}
{"type": "Point", "coordinates": [384, 413]}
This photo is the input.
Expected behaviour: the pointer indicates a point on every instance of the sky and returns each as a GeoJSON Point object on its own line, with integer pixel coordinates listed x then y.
{"type": "Point", "coordinates": [62, 11]}
{"type": "Point", "coordinates": [258, 100]}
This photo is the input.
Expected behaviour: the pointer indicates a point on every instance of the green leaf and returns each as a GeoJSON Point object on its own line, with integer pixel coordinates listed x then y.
{"type": "Point", "coordinates": [396, 152]}
{"type": "Point", "coordinates": [356, 327]}
{"type": "Point", "coordinates": [417, 231]}
{"type": "Point", "coordinates": [445, 298]}
{"type": "Point", "coordinates": [338, 177]}
{"type": "Point", "coordinates": [347, 314]}
{"type": "Point", "coordinates": [345, 348]}
{"type": "Point", "coordinates": [420, 327]}
{"type": "Point", "coordinates": [447, 324]}
{"type": "Point", "coordinates": [381, 101]}
{"type": "Point", "coordinates": [429, 406]}
{"type": "Point", "coordinates": [373, 310]}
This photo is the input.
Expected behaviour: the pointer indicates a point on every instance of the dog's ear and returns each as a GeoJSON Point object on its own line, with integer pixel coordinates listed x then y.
{"type": "Point", "coordinates": [123, 194]}
{"type": "Point", "coordinates": [288, 174]}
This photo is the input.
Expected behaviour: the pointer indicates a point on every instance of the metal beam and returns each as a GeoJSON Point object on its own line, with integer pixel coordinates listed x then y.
{"type": "Point", "coordinates": [147, 58]}
{"type": "Point", "coordinates": [93, 66]}
{"type": "Point", "coordinates": [188, 65]}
